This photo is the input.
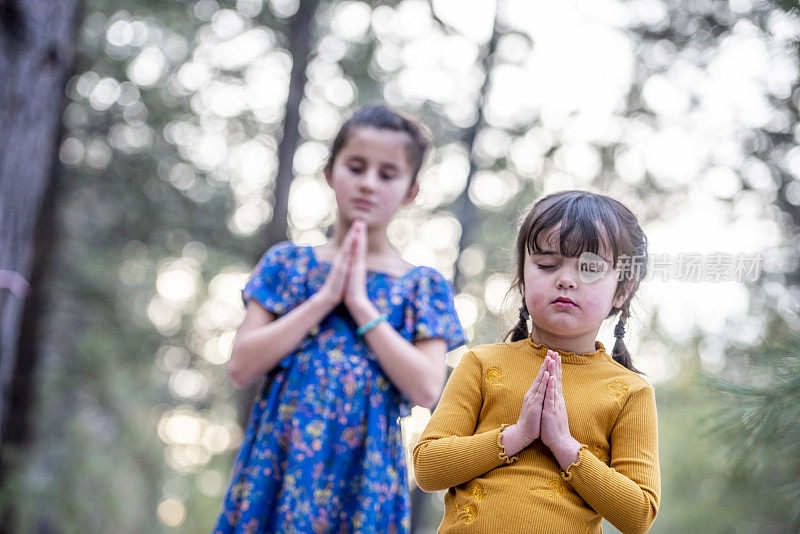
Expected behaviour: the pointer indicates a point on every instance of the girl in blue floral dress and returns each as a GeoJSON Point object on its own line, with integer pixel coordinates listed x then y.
{"type": "Point", "coordinates": [352, 336]}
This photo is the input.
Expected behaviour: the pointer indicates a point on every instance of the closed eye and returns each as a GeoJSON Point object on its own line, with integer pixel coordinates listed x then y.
{"type": "Point", "coordinates": [546, 267]}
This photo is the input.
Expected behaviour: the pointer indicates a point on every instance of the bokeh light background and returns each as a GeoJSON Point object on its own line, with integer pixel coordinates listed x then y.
{"type": "Point", "coordinates": [582, 94]}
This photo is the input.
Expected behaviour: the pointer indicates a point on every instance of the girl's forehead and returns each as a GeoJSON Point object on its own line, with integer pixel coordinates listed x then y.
{"type": "Point", "coordinates": [380, 144]}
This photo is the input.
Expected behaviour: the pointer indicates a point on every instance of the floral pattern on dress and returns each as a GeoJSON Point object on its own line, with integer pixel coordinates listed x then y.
{"type": "Point", "coordinates": [322, 451]}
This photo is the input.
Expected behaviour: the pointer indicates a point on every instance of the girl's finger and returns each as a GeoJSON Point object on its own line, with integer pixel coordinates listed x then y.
{"type": "Point", "coordinates": [342, 257]}
{"type": "Point", "coordinates": [551, 392]}
{"type": "Point", "coordinates": [558, 365]}
{"type": "Point", "coordinates": [351, 244]}
{"type": "Point", "coordinates": [342, 252]}
{"type": "Point", "coordinates": [538, 379]}
{"type": "Point", "coordinates": [347, 250]}
{"type": "Point", "coordinates": [540, 391]}
{"type": "Point", "coordinates": [352, 239]}
{"type": "Point", "coordinates": [543, 367]}
{"type": "Point", "coordinates": [360, 250]}
{"type": "Point", "coordinates": [547, 394]}
{"type": "Point", "coordinates": [361, 226]}
{"type": "Point", "coordinates": [353, 249]}
{"type": "Point", "coordinates": [339, 265]}
{"type": "Point", "coordinates": [558, 398]}
{"type": "Point", "coordinates": [361, 245]}
{"type": "Point", "coordinates": [348, 237]}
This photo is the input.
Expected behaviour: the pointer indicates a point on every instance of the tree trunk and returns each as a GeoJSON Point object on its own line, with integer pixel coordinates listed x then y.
{"type": "Point", "coordinates": [465, 210]}
{"type": "Point", "coordinates": [36, 57]}
{"type": "Point", "coordinates": [300, 43]}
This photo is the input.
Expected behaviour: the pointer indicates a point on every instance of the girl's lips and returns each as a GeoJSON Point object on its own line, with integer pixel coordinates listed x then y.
{"type": "Point", "coordinates": [362, 204]}
{"type": "Point", "coordinates": [564, 303]}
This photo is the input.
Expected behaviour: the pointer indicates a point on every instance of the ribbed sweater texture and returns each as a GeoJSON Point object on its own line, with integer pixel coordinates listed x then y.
{"type": "Point", "coordinates": [611, 412]}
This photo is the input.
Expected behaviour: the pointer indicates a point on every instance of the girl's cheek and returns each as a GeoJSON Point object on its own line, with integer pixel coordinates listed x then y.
{"type": "Point", "coordinates": [537, 301]}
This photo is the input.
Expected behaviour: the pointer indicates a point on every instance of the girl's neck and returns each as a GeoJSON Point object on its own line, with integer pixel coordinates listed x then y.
{"type": "Point", "coordinates": [579, 345]}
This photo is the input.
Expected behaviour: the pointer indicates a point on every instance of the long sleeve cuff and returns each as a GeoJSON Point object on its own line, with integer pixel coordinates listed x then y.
{"type": "Point", "coordinates": [629, 506]}
{"type": "Point", "coordinates": [503, 456]}
{"type": "Point", "coordinates": [567, 475]}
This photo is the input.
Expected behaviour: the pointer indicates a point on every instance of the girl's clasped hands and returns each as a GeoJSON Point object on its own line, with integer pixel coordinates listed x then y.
{"type": "Point", "coordinates": [544, 415]}
{"type": "Point", "coordinates": [347, 280]}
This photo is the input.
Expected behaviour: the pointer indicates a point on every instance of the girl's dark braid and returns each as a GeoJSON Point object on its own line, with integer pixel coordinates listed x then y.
{"type": "Point", "coordinates": [633, 274]}
{"type": "Point", "coordinates": [620, 352]}
{"type": "Point", "coordinates": [520, 330]}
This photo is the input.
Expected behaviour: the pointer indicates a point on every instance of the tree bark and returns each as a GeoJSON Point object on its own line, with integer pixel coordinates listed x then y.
{"type": "Point", "coordinates": [37, 54]}
{"type": "Point", "coordinates": [300, 43]}
{"type": "Point", "coordinates": [465, 210]}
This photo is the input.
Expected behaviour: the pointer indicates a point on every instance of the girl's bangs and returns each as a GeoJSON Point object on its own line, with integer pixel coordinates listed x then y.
{"type": "Point", "coordinates": [578, 229]}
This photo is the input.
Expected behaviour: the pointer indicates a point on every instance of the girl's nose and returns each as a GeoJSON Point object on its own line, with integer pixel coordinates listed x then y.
{"type": "Point", "coordinates": [566, 282]}
{"type": "Point", "coordinates": [568, 275]}
{"type": "Point", "coordinates": [368, 181]}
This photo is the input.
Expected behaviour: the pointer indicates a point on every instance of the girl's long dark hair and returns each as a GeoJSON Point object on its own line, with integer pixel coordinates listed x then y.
{"type": "Point", "coordinates": [585, 222]}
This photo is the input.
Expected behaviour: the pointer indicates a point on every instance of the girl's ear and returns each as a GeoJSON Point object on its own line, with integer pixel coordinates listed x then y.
{"type": "Point", "coordinates": [413, 191]}
{"type": "Point", "coordinates": [622, 293]}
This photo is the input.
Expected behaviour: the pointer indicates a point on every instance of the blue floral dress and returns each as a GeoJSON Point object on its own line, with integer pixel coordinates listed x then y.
{"type": "Point", "coordinates": [323, 450]}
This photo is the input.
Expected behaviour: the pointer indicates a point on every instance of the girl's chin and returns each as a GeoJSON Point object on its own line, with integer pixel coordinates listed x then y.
{"type": "Point", "coordinates": [560, 322]}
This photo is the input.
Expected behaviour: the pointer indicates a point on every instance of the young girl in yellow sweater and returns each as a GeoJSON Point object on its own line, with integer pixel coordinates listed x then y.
{"type": "Point", "coordinates": [549, 433]}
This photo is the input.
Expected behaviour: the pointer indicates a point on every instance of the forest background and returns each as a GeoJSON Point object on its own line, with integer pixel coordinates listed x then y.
{"type": "Point", "coordinates": [152, 150]}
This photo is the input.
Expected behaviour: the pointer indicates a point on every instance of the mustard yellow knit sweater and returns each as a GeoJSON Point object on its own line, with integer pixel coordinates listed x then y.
{"type": "Point", "coordinates": [611, 411]}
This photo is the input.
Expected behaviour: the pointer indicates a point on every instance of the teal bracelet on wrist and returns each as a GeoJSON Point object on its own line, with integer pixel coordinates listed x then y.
{"type": "Point", "coordinates": [371, 324]}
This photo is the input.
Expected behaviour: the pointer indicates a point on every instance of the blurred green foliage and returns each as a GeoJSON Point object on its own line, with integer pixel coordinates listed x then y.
{"type": "Point", "coordinates": [759, 418]}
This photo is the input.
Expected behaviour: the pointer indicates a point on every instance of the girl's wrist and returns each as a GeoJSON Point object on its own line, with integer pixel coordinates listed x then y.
{"type": "Point", "coordinates": [523, 436]}
{"type": "Point", "coordinates": [566, 452]}
{"type": "Point", "coordinates": [362, 312]}
{"type": "Point", "coordinates": [513, 440]}
{"type": "Point", "coordinates": [325, 299]}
